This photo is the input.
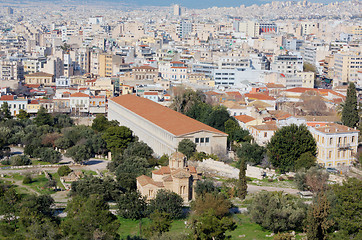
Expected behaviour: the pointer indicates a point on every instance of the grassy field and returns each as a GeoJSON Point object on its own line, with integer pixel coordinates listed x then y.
{"type": "Point", "coordinates": [244, 227]}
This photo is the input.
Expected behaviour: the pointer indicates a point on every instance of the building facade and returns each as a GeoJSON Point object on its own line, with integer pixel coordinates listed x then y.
{"type": "Point", "coordinates": [163, 128]}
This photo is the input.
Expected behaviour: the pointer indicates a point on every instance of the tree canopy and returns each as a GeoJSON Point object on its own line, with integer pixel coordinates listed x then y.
{"type": "Point", "coordinates": [187, 147]}
{"type": "Point", "coordinates": [288, 144]}
{"type": "Point", "coordinates": [350, 116]}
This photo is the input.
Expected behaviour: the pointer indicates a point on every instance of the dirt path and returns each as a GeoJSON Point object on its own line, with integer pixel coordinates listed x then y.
{"type": "Point", "coordinates": [254, 189]}
{"type": "Point", "coordinates": [20, 184]}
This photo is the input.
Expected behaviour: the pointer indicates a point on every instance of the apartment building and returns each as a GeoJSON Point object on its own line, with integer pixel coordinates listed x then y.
{"type": "Point", "coordinates": [346, 67]}
{"type": "Point", "coordinates": [42, 78]}
{"type": "Point", "coordinates": [175, 70]}
{"type": "Point", "coordinates": [11, 70]}
{"type": "Point", "coordinates": [288, 64]}
{"type": "Point", "coordinates": [336, 144]}
{"type": "Point", "coordinates": [145, 72]}
{"type": "Point", "coordinates": [15, 104]}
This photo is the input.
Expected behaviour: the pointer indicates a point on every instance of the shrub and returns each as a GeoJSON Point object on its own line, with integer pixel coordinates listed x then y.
{"type": "Point", "coordinates": [27, 179]}
{"type": "Point", "coordinates": [64, 171]}
{"type": "Point", "coordinates": [278, 212]}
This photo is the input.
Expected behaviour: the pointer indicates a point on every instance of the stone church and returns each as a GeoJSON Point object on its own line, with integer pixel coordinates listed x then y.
{"type": "Point", "coordinates": [178, 177]}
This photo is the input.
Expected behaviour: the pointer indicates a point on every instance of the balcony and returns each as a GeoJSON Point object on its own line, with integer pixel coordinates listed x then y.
{"type": "Point", "coordinates": [343, 145]}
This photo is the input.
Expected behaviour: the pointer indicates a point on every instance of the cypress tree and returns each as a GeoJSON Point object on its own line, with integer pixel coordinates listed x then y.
{"type": "Point", "coordinates": [349, 112]}
{"type": "Point", "coordinates": [242, 185]}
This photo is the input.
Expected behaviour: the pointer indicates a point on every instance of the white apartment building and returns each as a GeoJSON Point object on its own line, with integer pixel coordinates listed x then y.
{"type": "Point", "coordinates": [234, 62]}
{"type": "Point", "coordinates": [183, 29]}
{"type": "Point", "coordinates": [175, 70]}
{"type": "Point", "coordinates": [346, 67]}
{"type": "Point", "coordinates": [288, 64]}
{"type": "Point", "coordinates": [11, 70]}
{"type": "Point", "coordinates": [15, 104]}
{"type": "Point", "coordinates": [62, 82]}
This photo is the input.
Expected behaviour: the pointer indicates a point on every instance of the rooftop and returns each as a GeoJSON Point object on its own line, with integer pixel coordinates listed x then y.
{"type": "Point", "coordinates": [164, 117]}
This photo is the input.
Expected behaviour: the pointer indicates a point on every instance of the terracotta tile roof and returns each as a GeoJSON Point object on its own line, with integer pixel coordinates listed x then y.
{"type": "Point", "coordinates": [259, 104]}
{"type": "Point", "coordinates": [166, 118]}
{"type": "Point", "coordinates": [145, 180]}
{"type": "Point", "coordinates": [150, 93]}
{"type": "Point", "coordinates": [335, 128]}
{"type": "Point", "coordinates": [163, 170]}
{"type": "Point", "coordinates": [234, 94]}
{"type": "Point", "coordinates": [274, 85]}
{"type": "Point", "coordinates": [181, 173]}
{"type": "Point", "coordinates": [323, 92]}
{"type": "Point", "coordinates": [258, 96]}
{"type": "Point", "coordinates": [34, 102]}
{"type": "Point", "coordinates": [316, 124]}
{"type": "Point", "coordinates": [168, 178]}
{"type": "Point", "coordinates": [280, 115]}
{"type": "Point", "coordinates": [244, 118]}
{"type": "Point", "coordinates": [177, 62]}
{"type": "Point", "coordinates": [39, 74]}
{"type": "Point", "coordinates": [265, 127]}
{"type": "Point", "coordinates": [144, 67]}
{"type": "Point", "coordinates": [7, 98]}
{"type": "Point", "coordinates": [79, 94]}
{"type": "Point", "coordinates": [32, 85]}
{"type": "Point", "coordinates": [192, 169]}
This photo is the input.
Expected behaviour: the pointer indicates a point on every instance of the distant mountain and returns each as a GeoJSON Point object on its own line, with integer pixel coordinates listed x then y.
{"type": "Point", "coordinates": [184, 3]}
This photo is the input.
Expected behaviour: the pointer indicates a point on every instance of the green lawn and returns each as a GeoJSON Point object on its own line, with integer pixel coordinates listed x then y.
{"type": "Point", "coordinates": [38, 162]}
{"type": "Point", "coordinates": [38, 185]}
{"type": "Point", "coordinates": [244, 227]}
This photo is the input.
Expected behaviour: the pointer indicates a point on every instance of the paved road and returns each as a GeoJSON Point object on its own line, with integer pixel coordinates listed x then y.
{"type": "Point", "coordinates": [254, 189]}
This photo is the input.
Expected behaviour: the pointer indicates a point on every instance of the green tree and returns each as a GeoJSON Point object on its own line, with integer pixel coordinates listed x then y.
{"type": "Point", "coordinates": [218, 117]}
{"type": "Point", "coordinates": [101, 123]}
{"type": "Point", "coordinates": [314, 179]}
{"type": "Point", "coordinates": [63, 121]}
{"type": "Point", "coordinates": [139, 149]}
{"type": "Point", "coordinates": [50, 155]}
{"type": "Point", "coordinates": [20, 160]}
{"type": "Point", "coordinates": [89, 218]}
{"type": "Point", "coordinates": [187, 147]}
{"type": "Point", "coordinates": [132, 205]}
{"type": "Point", "coordinates": [107, 188]}
{"type": "Point", "coordinates": [211, 201]}
{"type": "Point", "coordinates": [118, 138]}
{"type": "Point", "coordinates": [160, 223]}
{"type": "Point", "coordinates": [277, 212]}
{"type": "Point", "coordinates": [251, 153]}
{"type": "Point", "coordinates": [5, 111]}
{"type": "Point", "coordinates": [64, 171]}
{"type": "Point", "coordinates": [206, 186]}
{"type": "Point", "coordinates": [318, 221]}
{"type": "Point", "coordinates": [23, 115]}
{"type": "Point", "coordinates": [43, 117]}
{"type": "Point", "coordinates": [350, 116]}
{"type": "Point", "coordinates": [208, 226]}
{"type": "Point", "coordinates": [242, 185]}
{"type": "Point", "coordinates": [306, 161]}
{"type": "Point", "coordinates": [79, 153]}
{"type": "Point", "coordinates": [236, 133]}
{"type": "Point", "coordinates": [288, 144]}
{"type": "Point", "coordinates": [168, 202]}
{"type": "Point", "coordinates": [347, 210]}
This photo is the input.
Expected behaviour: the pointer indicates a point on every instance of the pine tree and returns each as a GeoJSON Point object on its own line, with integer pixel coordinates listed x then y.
{"type": "Point", "coordinates": [242, 185]}
{"type": "Point", "coordinates": [349, 112]}
{"type": "Point", "coordinates": [317, 219]}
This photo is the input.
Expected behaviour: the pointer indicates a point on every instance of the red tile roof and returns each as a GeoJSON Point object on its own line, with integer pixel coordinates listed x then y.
{"type": "Point", "coordinates": [7, 98]}
{"type": "Point", "coordinates": [244, 118]}
{"type": "Point", "coordinates": [151, 93]}
{"type": "Point", "coordinates": [258, 96]}
{"type": "Point", "coordinates": [164, 117]}
{"type": "Point", "coordinates": [163, 170]}
{"type": "Point", "coordinates": [79, 94]}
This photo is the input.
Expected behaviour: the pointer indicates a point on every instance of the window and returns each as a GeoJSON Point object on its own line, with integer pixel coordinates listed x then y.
{"type": "Point", "coordinates": [207, 140]}
{"type": "Point", "coordinates": [196, 140]}
{"type": "Point", "coordinates": [202, 140]}
{"type": "Point", "coordinates": [330, 141]}
{"type": "Point", "coordinates": [329, 154]}
{"type": "Point", "coordinates": [352, 139]}
{"type": "Point", "coordinates": [265, 134]}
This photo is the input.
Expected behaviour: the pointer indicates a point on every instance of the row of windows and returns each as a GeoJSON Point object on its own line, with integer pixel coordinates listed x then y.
{"type": "Point", "coordinates": [21, 106]}
{"type": "Point", "coordinates": [202, 140]}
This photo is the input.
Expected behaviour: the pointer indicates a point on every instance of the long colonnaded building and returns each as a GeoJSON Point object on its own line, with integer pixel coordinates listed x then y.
{"type": "Point", "coordinates": [163, 128]}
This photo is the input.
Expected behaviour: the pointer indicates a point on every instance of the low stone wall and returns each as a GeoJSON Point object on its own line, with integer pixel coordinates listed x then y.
{"type": "Point", "coordinates": [39, 166]}
{"type": "Point", "coordinates": [225, 170]}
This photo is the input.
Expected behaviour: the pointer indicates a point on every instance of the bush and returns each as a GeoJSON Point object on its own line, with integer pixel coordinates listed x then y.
{"type": "Point", "coordinates": [278, 212]}
{"type": "Point", "coordinates": [27, 179]}
{"type": "Point", "coordinates": [168, 202]}
{"type": "Point", "coordinates": [20, 160]}
{"type": "Point", "coordinates": [64, 171]}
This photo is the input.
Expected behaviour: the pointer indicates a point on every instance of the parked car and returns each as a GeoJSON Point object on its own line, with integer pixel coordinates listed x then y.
{"type": "Point", "coordinates": [332, 170]}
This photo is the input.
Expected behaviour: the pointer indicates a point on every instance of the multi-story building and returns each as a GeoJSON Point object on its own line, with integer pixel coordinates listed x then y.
{"type": "Point", "coordinates": [346, 67]}
{"type": "Point", "coordinates": [175, 70]}
{"type": "Point", "coordinates": [42, 78]}
{"type": "Point", "coordinates": [183, 28]}
{"type": "Point", "coordinates": [11, 70]}
{"type": "Point", "coordinates": [15, 104]}
{"type": "Point", "coordinates": [288, 64]}
{"type": "Point", "coordinates": [145, 73]}
{"type": "Point", "coordinates": [336, 144]}
{"type": "Point", "coordinates": [234, 62]}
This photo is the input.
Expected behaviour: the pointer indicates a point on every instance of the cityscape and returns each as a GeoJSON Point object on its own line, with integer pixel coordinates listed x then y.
{"type": "Point", "coordinates": [180, 120]}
